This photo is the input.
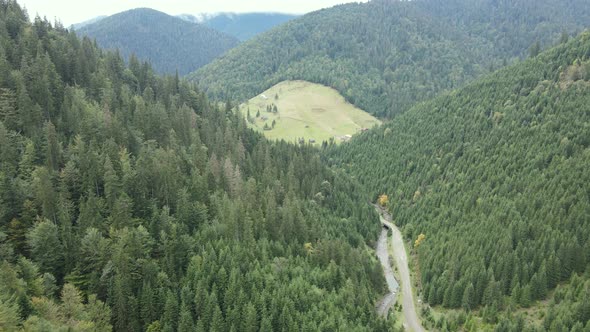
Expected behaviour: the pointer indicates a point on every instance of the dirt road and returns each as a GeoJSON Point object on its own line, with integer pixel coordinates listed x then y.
{"type": "Point", "coordinates": [412, 322]}
{"type": "Point", "coordinates": [392, 284]}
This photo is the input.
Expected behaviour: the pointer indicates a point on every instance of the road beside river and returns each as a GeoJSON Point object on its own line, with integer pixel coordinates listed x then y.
{"type": "Point", "coordinates": [412, 322]}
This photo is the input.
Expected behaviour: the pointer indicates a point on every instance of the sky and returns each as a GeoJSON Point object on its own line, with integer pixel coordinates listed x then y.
{"type": "Point", "coordinates": [75, 11]}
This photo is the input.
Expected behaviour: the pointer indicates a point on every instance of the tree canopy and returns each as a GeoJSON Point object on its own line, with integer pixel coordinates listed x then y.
{"type": "Point", "coordinates": [495, 176]}
{"type": "Point", "coordinates": [130, 202]}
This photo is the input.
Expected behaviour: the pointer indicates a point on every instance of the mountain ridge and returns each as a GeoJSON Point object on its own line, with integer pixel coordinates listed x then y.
{"type": "Point", "coordinates": [385, 55]}
{"type": "Point", "coordinates": [168, 42]}
{"type": "Point", "coordinates": [244, 26]}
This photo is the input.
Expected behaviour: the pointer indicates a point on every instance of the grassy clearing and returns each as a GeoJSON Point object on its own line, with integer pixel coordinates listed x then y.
{"type": "Point", "coordinates": [306, 111]}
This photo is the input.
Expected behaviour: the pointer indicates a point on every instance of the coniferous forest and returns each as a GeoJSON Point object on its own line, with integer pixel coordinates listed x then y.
{"type": "Point", "coordinates": [496, 176]}
{"type": "Point", "coordinates": [129, 201]}
{"type": "Point", "coordinates": [134, 201]}
{"type": "Point", "coordinates": [169, 43]}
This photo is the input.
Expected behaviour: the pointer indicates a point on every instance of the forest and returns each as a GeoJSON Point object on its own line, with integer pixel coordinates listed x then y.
{"type": "Point", "coordinates": [169, 43]}
{"type": "Point", "coordinates": [383, 56]}
{"type": "Point", "coordinates": [495, 176]}
{"type": "Point", "coordinates": [130, 202]}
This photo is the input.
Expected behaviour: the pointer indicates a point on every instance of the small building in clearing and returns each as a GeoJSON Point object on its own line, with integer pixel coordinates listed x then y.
{"type": "Point", "coordinates": [345, 138]}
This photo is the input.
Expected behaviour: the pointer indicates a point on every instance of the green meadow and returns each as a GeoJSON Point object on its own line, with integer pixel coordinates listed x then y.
{"type": "Point", "coordinates": [304, 110]}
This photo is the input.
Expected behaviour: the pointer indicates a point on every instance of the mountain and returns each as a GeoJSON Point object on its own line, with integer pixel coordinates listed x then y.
{"type": "Point", "coordinates": [130, 202]}
{"type": "Point", "coordinates": [384, 55]}
{"type": "Point", "coordinates": [495, 175]}
{"type": "Point", "coordinates": [242, 26]}
{"type": "Point", "coordinates": [167, 42]}
{"type": "Point", "coordinates": [80, 25]}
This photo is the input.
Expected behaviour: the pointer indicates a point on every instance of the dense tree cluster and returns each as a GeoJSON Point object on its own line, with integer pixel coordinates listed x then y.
{"type": "Point", "coordinates": [384, 56]}
{"type": "Point", "coordinates": [128, 201]}
{"type": "Point", "coordinates": [496, 176]}
{"type": "Point", "coordinates": [169, 43]}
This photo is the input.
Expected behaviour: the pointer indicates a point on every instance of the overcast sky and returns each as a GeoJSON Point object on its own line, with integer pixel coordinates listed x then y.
{"type": "Point", "coordinates": [76, 11]}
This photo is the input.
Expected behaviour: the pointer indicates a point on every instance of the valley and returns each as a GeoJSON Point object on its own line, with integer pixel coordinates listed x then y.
{"type": "Point", "coordinates": [410, 317]}
{"type": "Point", "coordinates": [299, 111]}
{"type": "Point", "coordinates": [167, 172]}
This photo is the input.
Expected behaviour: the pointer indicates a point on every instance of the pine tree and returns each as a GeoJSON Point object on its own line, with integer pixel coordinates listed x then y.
{"type": "Point", "coordinates": [8, 112]}
{"type": "Point", "coordinates": [112, 184]}
{"type": "Point", "coordinates": [45, 193]}
{"type": "Point", "coordinates": [147, 304]}
{"type": "Point", "coordinates": [53, 149]}
{"type": "Point", "coordinates": [526, 297]}
{"type": "Point", "coordinates": [185, 323]}
{"type": "Point", "coordinates": [46, 248]}
{"type": "Point", "coordinates": [468, 302]}
{"type": "Point", "coordinates": [250, 320]}
{"type": "Point", "coordinates": [217, 323]}
{"type": "Point", "coordinates": [9, 316]}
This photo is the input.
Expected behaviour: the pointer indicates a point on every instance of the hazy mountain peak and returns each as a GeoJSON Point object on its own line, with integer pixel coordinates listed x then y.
{"type": "Point", "coordinates": [240, 25]}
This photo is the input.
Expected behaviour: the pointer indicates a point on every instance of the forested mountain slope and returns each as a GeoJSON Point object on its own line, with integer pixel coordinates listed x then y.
{"type": "Point", "coordinates": [385, 55]}
{"type": "Point", "coordinates": [87, 22]}
{"type": "Point", "coordinates": [168, 42]}
{"type": "Point", "coordinates": [128, 201]}
{"type": "Point", "coordinates": [495, 175]}
{"type": "Point", "coordinates": [241, 25]}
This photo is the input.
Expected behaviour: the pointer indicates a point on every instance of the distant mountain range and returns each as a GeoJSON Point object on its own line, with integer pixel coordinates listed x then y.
{"type": "Point", "coordinates": [169, 43]}
{"type": "Point", "coordinates": [241, 26]}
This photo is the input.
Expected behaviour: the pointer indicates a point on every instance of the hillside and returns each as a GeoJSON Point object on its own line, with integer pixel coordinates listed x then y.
{"type": "Point", "coordinates": [167, 42]}
{"type": "Point", "coordinates": [495, 175]}
{"type": "Point", "coordinates": [384, 56]}
{"type": "Point", "coordinates": [80, 25]}
{"type": "Point", "coordinates": [299, 110]}
{"type": "Point", "coordinates": [129, 202]}
{"type": "Point", "coordinates": [242, 26]}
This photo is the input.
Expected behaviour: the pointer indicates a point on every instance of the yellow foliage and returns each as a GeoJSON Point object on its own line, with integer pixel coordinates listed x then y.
{"type": "Point", "coordinates": [417, 195]}
{"type": "Point", "coordinates": [383, 200]}
{"type": "Point", "coordinates": [497, 117]}
{"type": "Point", "coordinates": [308, 247]}
{"type": "Point", "coordinates": [419, 240]}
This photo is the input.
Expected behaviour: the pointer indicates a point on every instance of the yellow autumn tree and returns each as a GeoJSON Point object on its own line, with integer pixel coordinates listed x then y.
{"type": "Point", "coordinates": [419, 240]}
{"type": "Point", "coordinates": [417, 195]}
{"type": "Point", "coordinates": [383, 200]}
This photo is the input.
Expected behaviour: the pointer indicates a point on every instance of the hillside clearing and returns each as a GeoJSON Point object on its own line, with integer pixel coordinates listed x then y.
{"type": "Point", "coordinates": [304, 110]}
